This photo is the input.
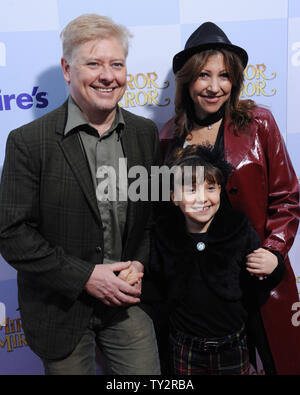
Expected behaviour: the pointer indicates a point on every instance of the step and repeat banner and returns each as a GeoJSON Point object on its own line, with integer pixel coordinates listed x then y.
{"type": "Point", "coordinates": [31, 84]}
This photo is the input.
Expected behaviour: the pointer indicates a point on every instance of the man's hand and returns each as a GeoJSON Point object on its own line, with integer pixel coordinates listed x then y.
{"type": "Point", "coordinates": [111, 289]}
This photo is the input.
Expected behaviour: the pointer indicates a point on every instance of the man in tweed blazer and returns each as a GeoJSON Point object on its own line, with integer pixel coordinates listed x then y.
{"type": "Point", "coordinates": [71, 250]}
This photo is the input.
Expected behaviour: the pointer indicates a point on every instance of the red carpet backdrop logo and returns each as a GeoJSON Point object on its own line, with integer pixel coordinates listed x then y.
{"type": "Point", "coordinates": [11, 335]}
{"type": "Point", "coordinates": [143, 89]}
{"type": "Point", "coordinates": [257, 81]}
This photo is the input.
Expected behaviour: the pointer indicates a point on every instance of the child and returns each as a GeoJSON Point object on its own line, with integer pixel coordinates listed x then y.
{"type": "Point", "coordinates": [207, 264]}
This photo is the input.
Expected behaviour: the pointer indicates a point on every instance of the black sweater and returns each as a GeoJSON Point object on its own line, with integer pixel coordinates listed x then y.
{"type": "Point", "coordinates": [225, 289]}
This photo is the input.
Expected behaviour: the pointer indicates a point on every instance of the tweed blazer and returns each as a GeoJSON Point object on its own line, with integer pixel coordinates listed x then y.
{"type": "Point", "coordinates": [50, 226]}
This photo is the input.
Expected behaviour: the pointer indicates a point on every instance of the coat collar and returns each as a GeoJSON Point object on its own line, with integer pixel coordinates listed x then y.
{"type": "Point", "coordinates": [220, 261]}
{"type": "Point", "coordinates": [237, 144]}
{"type": "Point", "coordinates": [75, 156]}
{"type": "Point", "coordinates": [225, 226]}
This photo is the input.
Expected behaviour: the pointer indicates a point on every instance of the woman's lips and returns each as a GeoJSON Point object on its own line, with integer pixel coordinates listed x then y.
{"type": "Point", "coordinates": [210, 99]}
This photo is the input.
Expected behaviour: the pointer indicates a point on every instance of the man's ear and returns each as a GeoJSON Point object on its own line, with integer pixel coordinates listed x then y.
{"type": "Point", "coordinates": [66, 69]}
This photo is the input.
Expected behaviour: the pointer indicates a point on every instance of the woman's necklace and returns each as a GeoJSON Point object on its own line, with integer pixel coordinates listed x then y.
{"type": "Point", "coordinates": [210, 119]}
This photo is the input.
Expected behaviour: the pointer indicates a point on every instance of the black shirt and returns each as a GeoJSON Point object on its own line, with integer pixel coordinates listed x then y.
{"type": "Point", "coordinates": [202, 312]}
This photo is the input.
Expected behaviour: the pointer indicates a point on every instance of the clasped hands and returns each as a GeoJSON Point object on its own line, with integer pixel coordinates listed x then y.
{"type": "Point", "coordinates": [261, 263]}
{"type": "Point", "coordinates": [116, 284]}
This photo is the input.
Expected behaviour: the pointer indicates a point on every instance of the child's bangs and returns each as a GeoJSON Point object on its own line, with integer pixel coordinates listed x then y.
{"type": "Point", "coordinates": [197, 174]}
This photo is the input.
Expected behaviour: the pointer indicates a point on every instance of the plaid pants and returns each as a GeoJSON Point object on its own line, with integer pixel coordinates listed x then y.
{"type": "Point", "coordinates": [219, 356]}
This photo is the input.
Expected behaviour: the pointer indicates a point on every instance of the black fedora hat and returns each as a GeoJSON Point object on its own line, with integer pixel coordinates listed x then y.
{"type": "Point", "coordinates": [207, 36]}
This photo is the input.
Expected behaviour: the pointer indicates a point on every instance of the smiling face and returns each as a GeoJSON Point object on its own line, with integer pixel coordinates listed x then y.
{"type": "Point", "coordinates": [97, 77]}
{"type": "Point", "coordinates": [199, 204]}
{"type": "Point", "coordinates": [212, 88]}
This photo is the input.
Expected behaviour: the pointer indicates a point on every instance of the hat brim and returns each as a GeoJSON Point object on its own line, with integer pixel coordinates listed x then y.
{"type": "Point", "coordinates": [181, 57]}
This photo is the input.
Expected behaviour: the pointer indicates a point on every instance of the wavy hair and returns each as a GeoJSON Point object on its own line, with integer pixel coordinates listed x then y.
{"type": "Point", "coordinates": [239, 111]}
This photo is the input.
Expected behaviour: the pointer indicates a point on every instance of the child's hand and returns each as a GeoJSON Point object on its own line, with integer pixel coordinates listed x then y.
{"type": "Point", "coordinates": [261, 262]}
{"type": "Point", "coordinates": [133, 278]}
{"type": "Point", "coordinates": [131, 275]}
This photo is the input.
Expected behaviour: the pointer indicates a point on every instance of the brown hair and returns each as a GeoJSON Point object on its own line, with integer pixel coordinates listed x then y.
{"type": "Point", "coordinates": [216, 170]}
{"type": "Point", "coordinates": [239, 111]}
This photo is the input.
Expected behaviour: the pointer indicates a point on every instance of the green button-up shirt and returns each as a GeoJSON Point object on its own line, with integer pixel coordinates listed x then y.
{"type": "Point", "coordinates": [104, 154]}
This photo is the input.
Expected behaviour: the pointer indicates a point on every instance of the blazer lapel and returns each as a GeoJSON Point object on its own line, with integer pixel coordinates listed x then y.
{"type": "Point", "coordinates": [74, 154]}
{"type": "Point", "coordinates": [129, 143]}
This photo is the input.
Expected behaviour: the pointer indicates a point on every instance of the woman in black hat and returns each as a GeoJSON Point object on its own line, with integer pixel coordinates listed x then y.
{"type": "Point", "coordinates": [209, 78]}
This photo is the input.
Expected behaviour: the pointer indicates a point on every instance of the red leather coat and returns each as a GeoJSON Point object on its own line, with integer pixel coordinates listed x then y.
{"type": "Point", "coordinates": [264, 186]}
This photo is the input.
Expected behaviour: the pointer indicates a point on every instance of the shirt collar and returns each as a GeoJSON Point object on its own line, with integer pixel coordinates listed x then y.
{"type": "Point", "coordinates": [77, 119]}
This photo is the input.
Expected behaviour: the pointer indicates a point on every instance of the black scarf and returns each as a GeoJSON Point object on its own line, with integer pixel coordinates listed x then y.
{"type": "Point", "coordinates": [211, 118]}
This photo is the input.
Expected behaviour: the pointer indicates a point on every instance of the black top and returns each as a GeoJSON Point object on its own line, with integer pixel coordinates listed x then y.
{"type": "Point", "coordinates": [219, 144]}
{"type": "Point", "coordinates": [208, 292]}
{"type": "Point", "coordinates": [202, 312]}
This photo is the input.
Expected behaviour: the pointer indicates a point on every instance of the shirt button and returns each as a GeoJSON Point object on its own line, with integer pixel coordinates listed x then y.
{"type": "Point", "coordinates": [98, 249]}
{"type": "Point", "coordinates": [233, 190]}
{"type": "Point", "coordinates": [200, 246]}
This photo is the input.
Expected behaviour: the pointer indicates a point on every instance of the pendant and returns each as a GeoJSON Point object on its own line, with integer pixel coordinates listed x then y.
{"type": "Point", "coordinates": [200, 246]}
{"type": "Point", "coordinates": [209, 127]}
